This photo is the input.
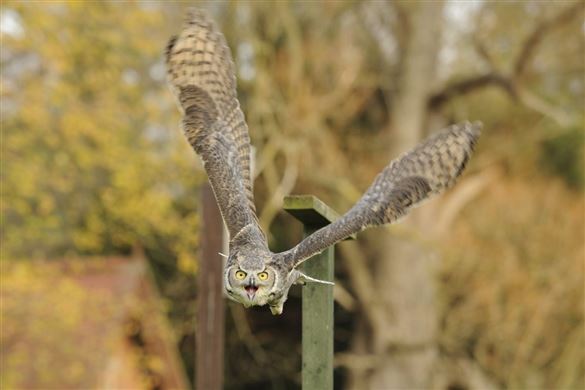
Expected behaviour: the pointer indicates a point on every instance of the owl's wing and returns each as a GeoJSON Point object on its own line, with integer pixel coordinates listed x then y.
{"type": "Point", "coordinates": [428, 169]}
{"type": "Point", "coordinates": [201, 74]}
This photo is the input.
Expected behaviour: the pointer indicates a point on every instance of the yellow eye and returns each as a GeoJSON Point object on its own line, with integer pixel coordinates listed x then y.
{"type": "Point", "coordinates": [240, 275]}
{"type": "Point", "coordinates": [263, 275]}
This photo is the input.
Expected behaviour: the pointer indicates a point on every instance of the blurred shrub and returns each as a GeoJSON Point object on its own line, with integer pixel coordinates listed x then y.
{"type": "Point", "coordinates": [89, 165]}
{"type": "Point", "coordinates": [563, 156]}
{"type": "Point", "coordinates": [513, 291]}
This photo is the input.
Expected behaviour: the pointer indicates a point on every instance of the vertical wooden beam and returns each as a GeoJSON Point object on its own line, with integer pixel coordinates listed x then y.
{"type": "Point", "coordinates": [317, 298]}
{"type": "Point", "coordinates": [318, 322]}
{"type": "Point", "coordinates": [210, 307]}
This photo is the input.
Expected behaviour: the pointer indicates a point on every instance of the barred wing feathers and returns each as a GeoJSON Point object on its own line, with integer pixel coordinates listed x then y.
{"type": "Point", "coordinates": [201, 74]}
{"type": "Point", "coordinates": [427, 170]}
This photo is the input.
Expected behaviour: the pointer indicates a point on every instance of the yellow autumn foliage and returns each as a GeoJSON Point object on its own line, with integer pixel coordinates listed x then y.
{"type": "Point", "coordinates": [84, 135]}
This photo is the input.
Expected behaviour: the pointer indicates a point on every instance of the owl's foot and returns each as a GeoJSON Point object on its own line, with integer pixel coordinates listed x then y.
{"type": "Point", "coordinates": [277, 309]}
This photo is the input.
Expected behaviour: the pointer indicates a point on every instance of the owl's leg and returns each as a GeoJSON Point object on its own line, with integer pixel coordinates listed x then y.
{"type": "Point", "coordinates": [294, 277]}
{"type": "Point", "coordinates": [277, 309]}
{"type": "Point", "coordinates": [276, 305]}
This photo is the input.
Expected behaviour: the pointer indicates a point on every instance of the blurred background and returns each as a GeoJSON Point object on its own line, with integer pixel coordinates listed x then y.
{"type": "Point", "coordinates": [480, 288]}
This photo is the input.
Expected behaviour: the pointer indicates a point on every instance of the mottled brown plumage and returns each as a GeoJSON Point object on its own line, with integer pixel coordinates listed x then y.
{"type": "Point", "coordinates": [201, 74]}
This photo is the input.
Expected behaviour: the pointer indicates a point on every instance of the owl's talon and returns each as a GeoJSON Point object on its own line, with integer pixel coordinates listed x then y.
{"type": "Point", "coordinates": [276, 310]}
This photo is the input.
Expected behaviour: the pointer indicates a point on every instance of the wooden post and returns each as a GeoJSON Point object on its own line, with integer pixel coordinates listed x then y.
{"type": "Point", "coordinates": [210, 307]}
{"type": "Point", "coordinates": [317, 357]}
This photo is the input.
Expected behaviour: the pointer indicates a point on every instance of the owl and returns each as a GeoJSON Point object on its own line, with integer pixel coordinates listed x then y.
{"type": "Point", "coordinates": [201, 74]}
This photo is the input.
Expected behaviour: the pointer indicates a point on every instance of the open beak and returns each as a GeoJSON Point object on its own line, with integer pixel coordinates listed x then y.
{"type": "Point", "coordinates": [251, 291]}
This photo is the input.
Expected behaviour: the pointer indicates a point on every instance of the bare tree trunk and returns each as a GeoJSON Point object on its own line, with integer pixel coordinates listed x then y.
{"type": "Point", "coordinates": [405, 279]}
{"type": "Point", "coordinates": [210, 307]}
{"type": "Point", "coordinates": [404, 274]}
{"type": "Point", "coordinates": [417, 76]}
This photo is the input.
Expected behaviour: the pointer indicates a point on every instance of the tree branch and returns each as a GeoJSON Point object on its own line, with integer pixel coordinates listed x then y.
{"type": "Point", "coordinates": [343, 297]}
{"type": "Point", "coordinates": [471, 84]}
{"type": "Point", "coordinates": [511, 84]}
{"type": "Point", "coordinates": [357, 361]}
{"type": "Point", "coordinates": [537, 36]}
{"type": "Point", "coordinates": [538, 104]}
{"type": "Point", "coordinates": [460, 197]}
{"type": "Point", "coordinates": [483, 51]}
{"type": "Point", "coordinates": [284, 187]}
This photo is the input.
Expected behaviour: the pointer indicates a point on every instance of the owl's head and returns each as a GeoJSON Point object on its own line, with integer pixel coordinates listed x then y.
{"type": "Point", "coordinates": [250, 287]}
{"type": "Point", "coordinates": [254, 276]}
{"type": "Point", "coordinates": [249, 278]}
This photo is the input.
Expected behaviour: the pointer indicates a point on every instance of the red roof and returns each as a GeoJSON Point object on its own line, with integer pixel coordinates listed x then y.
{"type": "Point", "coordinates": [85, 323]}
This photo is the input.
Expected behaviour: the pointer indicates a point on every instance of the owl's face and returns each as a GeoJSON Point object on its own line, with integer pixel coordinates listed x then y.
{"type": "Point", "coordinates": [249, 286]}
{"type": "Point", "coordinates": [254, 276]}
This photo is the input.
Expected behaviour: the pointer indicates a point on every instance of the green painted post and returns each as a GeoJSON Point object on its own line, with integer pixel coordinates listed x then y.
{"type": "Point", "coordinates": [317, 357]}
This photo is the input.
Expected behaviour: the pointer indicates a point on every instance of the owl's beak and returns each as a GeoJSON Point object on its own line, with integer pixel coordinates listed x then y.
{"type": "Point", "coordinates": [251, 291]}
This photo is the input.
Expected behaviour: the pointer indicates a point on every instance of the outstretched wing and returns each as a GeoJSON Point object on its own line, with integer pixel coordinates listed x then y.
{"type": "Point", "coordinates": [426, 170]}
{"type": "Point", "coordinates": [201, 74]}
